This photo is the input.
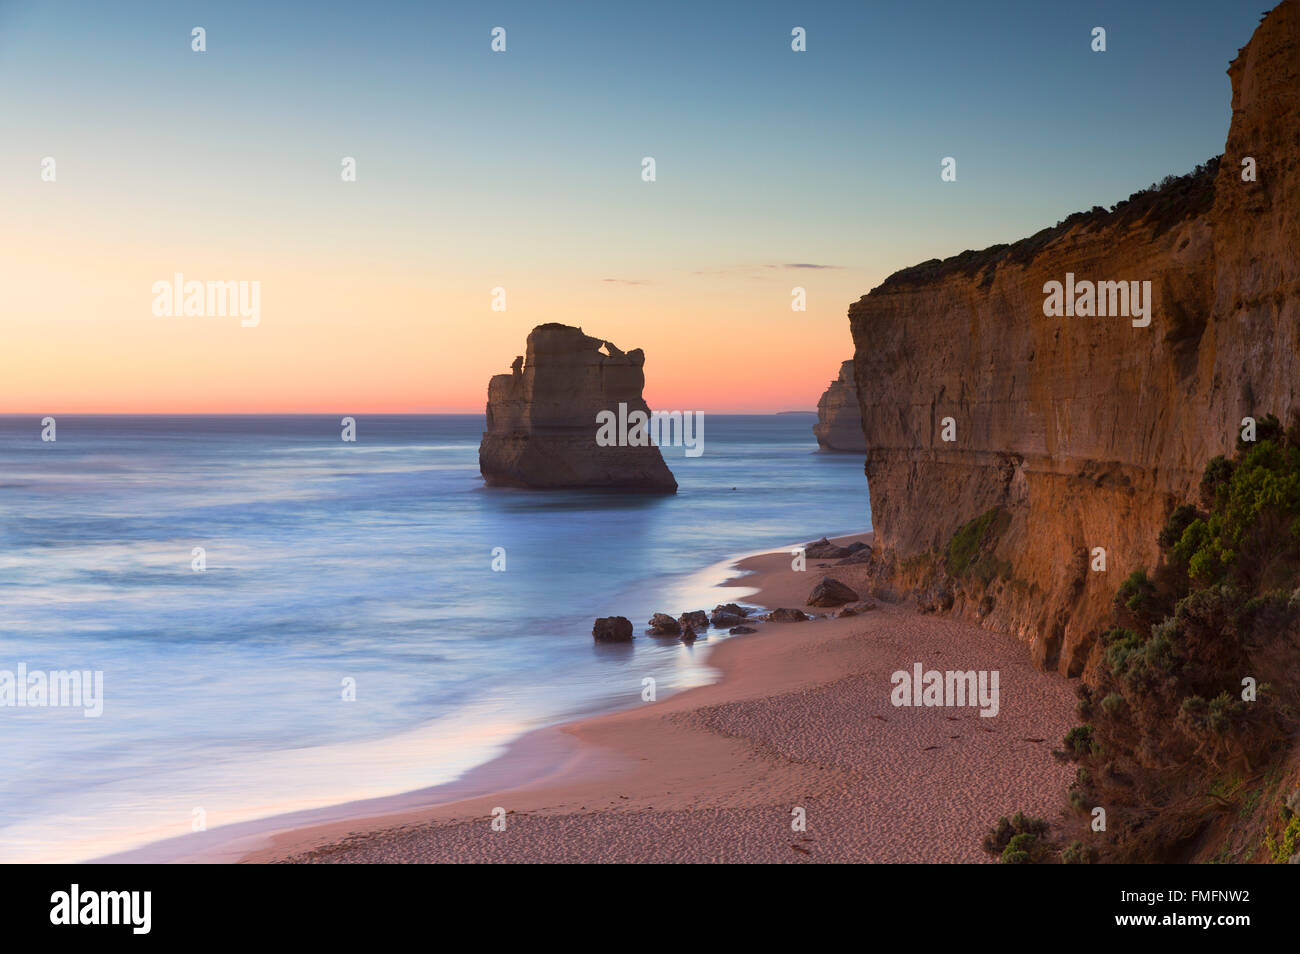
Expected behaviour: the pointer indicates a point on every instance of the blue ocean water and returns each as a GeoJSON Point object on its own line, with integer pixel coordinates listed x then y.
{"type": "Point", "coordinates": [329, 561]}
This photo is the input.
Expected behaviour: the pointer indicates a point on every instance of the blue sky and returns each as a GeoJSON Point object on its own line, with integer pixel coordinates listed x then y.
{"type": "Point", "coordinates": [522, 168]}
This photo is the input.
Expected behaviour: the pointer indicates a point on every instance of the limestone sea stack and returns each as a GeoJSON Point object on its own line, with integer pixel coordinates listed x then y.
{"type": "Point", "coordinates": [542, 418]}
{"type": "Point", "coordinates": [839, 419]}
{"type": "Point", "coordinates": [1016, 447]}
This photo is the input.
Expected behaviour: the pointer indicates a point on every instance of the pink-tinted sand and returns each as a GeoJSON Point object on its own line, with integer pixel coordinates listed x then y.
{"type": "Point", "coordinates": [801, 717]}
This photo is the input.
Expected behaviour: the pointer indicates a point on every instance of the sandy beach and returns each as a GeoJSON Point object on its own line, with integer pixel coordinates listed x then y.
{"type": "Point", "coordinates": [800, 718]}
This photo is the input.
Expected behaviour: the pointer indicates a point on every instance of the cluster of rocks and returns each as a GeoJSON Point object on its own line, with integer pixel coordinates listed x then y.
{"type": "Point", "coordinates": [728, 616]}
{"type": "Point", "coordinates": [828, 592]}
{"type": "Point", "coordinates": [687, 627]}
{"type": "Point", "coordinates": [823, 549]}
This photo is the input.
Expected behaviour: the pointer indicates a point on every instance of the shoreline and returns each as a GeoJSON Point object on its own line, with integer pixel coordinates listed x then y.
{"type": "Point", "coordinates": [524, 761]}
{"type": "Point", "coordinates": [800, 718]}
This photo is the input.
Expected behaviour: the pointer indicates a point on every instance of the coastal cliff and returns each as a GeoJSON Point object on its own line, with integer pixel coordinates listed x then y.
{"type": "Point", "coordinates": [542, 418]}
{"type": "Point", "coordinates": [839, 421]}
{"type": "Point", "coordinates": [1004, 447]}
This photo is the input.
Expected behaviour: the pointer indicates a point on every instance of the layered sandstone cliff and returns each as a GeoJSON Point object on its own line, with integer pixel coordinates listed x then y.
{"type": "Point", "coordinates": [839, 421]}
{"type": "Point", "coordinates": [1075, 433]}
{"type": "Point", "coordinates": [542, 418]}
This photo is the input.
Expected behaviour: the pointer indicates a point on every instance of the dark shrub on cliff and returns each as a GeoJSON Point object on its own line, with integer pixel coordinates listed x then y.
{"type": "Point", "coordinates": [1217, 474]}
{"type": "Point", "coordinates": [1078, 741]}
{"type": "Point", "coordinates": [1139, 601]}
{"type": "Point", "coordinates": [1157, 208]}
{"type": "Point", "coordinates": [1251, 537]}
{"type": "Point", "coordinates": [1169, 726]}
{"type": "Point", "coordinates": [1000, 837]}
{"type": "Point", "coordinates": [1179, 521]}
{"type": "Point", "coordinates": [1076, 853]}
{"type": "Point", "coordinates": [1267, 428]}
{"type": "Point", "coordinates": [1021, 850]}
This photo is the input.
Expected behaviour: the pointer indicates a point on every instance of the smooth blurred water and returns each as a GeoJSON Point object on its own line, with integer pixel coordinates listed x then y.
{"type": "Point", "coordinates": [329, 560]}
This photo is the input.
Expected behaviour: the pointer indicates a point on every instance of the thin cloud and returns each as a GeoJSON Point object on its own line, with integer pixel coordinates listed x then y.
{"type": "Point", "coordinates": [755, 270]}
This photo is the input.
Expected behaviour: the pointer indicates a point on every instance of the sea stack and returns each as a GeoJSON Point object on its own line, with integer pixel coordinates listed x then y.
{"type": "Point", "coordinates": [839, 419]}
{"type": "Point", "coordinates": [542, 418]}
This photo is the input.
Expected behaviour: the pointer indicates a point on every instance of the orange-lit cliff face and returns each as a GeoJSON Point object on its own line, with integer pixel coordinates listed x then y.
{"type": "Point", "coordinates": [1086, 431]}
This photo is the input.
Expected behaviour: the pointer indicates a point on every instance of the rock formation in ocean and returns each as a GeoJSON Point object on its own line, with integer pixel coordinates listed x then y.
{"type": "Point", "coordinates": [1011, 451]}
{"type": "Point", "coordinates": [839, 421]}
{"type": "Point", "coordinates": [661, 624]}
{"type": "Point", "coordinates": [612, 629]}
{"type": "Point", "coordinates": [542, 418]}
{"type": "Point", "coordinates": [694, 619]}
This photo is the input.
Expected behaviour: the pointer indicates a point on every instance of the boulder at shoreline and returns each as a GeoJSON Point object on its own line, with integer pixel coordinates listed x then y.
{"type": "Point", "coordinates": [612, 629]}
{"type": "Point", "coordinates": [831, 592]}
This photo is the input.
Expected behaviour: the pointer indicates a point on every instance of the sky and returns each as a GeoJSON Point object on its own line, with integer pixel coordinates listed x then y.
{"type": "Point", "coordinates": [523, 170]}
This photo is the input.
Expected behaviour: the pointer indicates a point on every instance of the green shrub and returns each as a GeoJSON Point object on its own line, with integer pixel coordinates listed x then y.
{"type": "Point", "coordinates": [1121, 644]}
{"type": "Point", "coordinates": [1178, 522]}
{"type": "Point", "coordinates": [1255, 521]}
{"type": "Point", "coordinates": [1214, 716]}
{"type": "Point", "coordinates": [1267, 428]}
{"type": "Point", "coordinates": [1078, 741]}
{"type": "Point", "coordinates": [1287, 845]}
{"type": "Point", "coordinates": [1137, 593]}
{"type": "Point", "coordinates": [1161, 715]}
{"type": "Point", "coordinates": [1218, 472]}
{"type": "Point", "coordinates": [1075, 853]}
{"type": "Point", "coordinates": [1020, 850]}
{"type": "Point", "coordinates": [1078, 799]}
{"type": "Point", "coordinates": [1007, 829]}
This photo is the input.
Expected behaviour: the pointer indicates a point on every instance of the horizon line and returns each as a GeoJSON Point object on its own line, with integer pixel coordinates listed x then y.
{"type": "Point", "coordinates": [333, 413]}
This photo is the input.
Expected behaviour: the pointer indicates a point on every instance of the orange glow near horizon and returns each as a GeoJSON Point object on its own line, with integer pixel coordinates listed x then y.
{"type": "Point", "coordinates": [374, 337]}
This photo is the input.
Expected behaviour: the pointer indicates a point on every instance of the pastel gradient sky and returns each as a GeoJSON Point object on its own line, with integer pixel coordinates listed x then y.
{"type": "Point", "coordinates": [523, 170]}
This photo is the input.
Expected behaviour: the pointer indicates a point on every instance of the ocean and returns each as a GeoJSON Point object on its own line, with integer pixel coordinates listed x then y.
{"type": "Point", "coordinates": [333, 569]}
